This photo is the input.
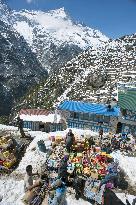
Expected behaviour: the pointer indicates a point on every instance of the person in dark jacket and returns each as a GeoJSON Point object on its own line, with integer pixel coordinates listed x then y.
{"type": "Point", "coordinates": [62, 170]}
{"type": "Point", "coordinates": [20, 125]}
{"type": "Point", "coordinates": [134, 202]}
{"type": "Point", "coordinates": [69, 140]}
{"type": "Point", "coordinates": [110, 198]}
{"type": "Point", "coordinates": [78, 185]}
{"type": "Point", "coordinates": [101, 133]}
{"type": "Point", "coordinates": [91, 142]}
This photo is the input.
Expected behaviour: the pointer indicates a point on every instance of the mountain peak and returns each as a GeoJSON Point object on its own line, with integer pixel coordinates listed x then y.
{"type": "Point", "coordinates": [59, 12]}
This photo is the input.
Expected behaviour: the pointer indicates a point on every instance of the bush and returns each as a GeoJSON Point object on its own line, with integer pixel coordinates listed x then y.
{"type": "Point", "coordinates": [4, 120]}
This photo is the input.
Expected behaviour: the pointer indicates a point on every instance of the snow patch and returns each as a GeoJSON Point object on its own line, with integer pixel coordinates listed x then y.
{"type": "Point", "coordinates": [128, 164]}
{"type": "Point", "coordinates": [25, 30]}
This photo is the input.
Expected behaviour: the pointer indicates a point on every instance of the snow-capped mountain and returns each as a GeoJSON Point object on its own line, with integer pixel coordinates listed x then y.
{"type": "Point", "coordinates": [91, 76]}
{"type": "Point", "coordinates": [97, 64]}
{"type": "Point", "coordinates": [51, 37]}
{"type": "Point", "coordinates": [19, 68]}
{"type": "Point", "coordinates": [5, 12]}
{"type": "Point", "coordinates": [54, 36]}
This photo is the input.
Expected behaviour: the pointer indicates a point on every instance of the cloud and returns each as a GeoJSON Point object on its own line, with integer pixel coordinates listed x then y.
{"type": "Point", "coordinates": [29, 1]}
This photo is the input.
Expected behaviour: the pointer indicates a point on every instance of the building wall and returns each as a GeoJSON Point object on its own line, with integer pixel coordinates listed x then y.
{"type": "Point", "coordinates": [128, 120]}
{"type": "Point", "coordinates": [127, 128]}
{"type": "Point", "coordinates": [31, 125]}
{"type": "Point", "coordinates": [87, 121]}
{"type": "Point", "coordinates": [35, 126]}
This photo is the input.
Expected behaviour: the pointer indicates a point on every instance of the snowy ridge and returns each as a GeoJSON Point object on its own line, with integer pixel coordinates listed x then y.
{"type": "Point", "coordinates": [54, 36]}
{"type": "Point", "coordinates": [91, 76]}
{"type": "Point", "coordinates": [60, 27]}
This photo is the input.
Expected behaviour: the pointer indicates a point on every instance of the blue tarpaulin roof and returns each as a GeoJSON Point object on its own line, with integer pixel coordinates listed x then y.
{"type": "Point", "coordinates": [99, 109]}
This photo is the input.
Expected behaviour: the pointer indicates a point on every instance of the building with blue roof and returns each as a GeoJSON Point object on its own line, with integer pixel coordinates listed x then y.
{"type": "Point", "coordinates": [90, 116]}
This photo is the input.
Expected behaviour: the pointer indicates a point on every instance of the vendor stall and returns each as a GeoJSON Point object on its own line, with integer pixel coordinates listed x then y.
{"type": "Point", "coordinates": [90, 162]}
{"type": "Point", "coordinates": [7, 152]}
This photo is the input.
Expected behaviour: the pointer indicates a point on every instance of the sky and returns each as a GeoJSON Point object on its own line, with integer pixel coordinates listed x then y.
{"type": "Point", "coordinates": [114, 18]}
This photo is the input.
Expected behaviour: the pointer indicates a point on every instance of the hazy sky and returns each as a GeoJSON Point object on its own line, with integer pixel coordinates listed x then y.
{"type": "Point", "coordinates": [114, 18]}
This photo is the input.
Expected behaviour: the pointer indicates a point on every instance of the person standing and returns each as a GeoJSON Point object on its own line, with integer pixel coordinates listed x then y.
{"type": "Point", "coordinates": [101, 133]}
{"type": "Point", "coordinates": [20, 124]}
{"type": "Point", "coordinates": [69, 140]}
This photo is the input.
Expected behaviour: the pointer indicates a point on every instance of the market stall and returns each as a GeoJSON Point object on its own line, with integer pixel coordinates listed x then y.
{"type": "Point", "coordinates": [7, 153]}
{"type": "Point", "coordinates": [90, 162]}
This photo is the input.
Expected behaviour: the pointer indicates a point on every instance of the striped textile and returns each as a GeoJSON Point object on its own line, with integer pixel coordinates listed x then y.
{"type": "Point", "coordinates": [127, 100]}
{"type": "Point", "coordinates": [35, 112]}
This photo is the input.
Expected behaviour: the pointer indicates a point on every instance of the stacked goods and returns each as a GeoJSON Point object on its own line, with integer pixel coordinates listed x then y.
{"type": "Point", "coordinates": [5, 142]}
{"type": "Point", "coordinates": [87, 161]}
{"type": "Point", "coordinates": [89, 164]}
{"type": "Point", "coordinates": [7, 158]}
{"type": "Point", "coordinates": [54, 159]}
{"type": "Point", "coordinates": [57, 138]}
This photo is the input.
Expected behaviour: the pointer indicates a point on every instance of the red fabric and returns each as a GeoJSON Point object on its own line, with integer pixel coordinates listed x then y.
{"type": "Point", "coordinates": [35, 112]}
{"type": "Point", "coordinates": [1, 162]}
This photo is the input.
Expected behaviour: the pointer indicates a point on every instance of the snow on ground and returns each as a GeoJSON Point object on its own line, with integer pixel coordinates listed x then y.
{"type": "Point", "coordinates": [128, 164]}
{"type": "Point", "coordinates": [36, 158]}
{"type": "Point", "coordinates": [77, 132]}
{"type": "Point", "coordinates": [12, 191]}
{"type": "Point", "coordinates": [11, 129]}
{"type": "Point", "coordinates": [7, 128]}
{"type": "Point", "coordinates": [33, 156]}
{"type": "Point", "coordinates": [72, 201]}
{"type": "Point", "coordinates": [123, 198]}
{"type": "Point", "coordinates": [41, 118]}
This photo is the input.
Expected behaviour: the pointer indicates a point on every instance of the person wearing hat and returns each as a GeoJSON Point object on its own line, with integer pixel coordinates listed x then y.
{"type": "Point", "coordinates": [69, 140]}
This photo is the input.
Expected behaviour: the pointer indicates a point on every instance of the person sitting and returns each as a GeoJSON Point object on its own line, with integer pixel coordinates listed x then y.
{"type": "Point", "coordinates": [28, 180]}
{"type": "Point", "coordinates": [29, 186]}
{"type": "Point", "coordinates": [69, 140]}
{"type": "Point", "coordinates": [58, 196]}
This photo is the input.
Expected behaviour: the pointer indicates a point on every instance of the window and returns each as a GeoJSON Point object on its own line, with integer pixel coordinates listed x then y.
{"type": "Point", "coordinates": [76, 115]}
{"type": "Point", "coordinates": [81, 116]}
{"type": "Point", "coordinates": [96, 118]}
{"type": "Point", "coordinates": [91, 117]}
{"type": "Point", "coordinates": [86, 116]}
{"type": "Point", "coordinates": [100, 118]}
{"type": "Point", "coordinates": [106, 119]}
{"type": "Point", "coordinates": [72, 115]}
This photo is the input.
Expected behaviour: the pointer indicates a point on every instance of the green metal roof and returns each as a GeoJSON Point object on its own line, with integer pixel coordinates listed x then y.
{"type": "Point", "coordinates": [127, 99]}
